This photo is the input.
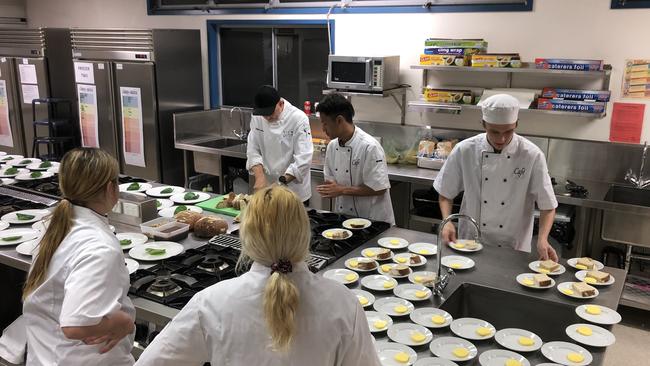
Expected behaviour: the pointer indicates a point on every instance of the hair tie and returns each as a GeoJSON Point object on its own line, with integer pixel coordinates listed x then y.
{"type": "Point", "coordinates": [282, 266]}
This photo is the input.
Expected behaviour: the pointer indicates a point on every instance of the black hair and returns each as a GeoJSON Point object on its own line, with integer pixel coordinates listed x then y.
{"type": "Point", "coordinates": [334, 105]}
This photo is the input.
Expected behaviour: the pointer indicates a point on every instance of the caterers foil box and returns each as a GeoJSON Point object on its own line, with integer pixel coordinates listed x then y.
{"type": "Point", "coordinates": [568, 64]}
{"type": "Point", "coordinates": [571, 106]}
{"type": "Point", "coordinates": [580, 95]}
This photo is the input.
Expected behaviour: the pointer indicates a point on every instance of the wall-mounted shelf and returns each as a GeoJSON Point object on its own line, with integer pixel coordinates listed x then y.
{"type": "Point", "coordinates": [528, 68]}
{"type": "Point", "coordinates": [394, 93]}
{"type": "Point", "coordinates": [448, 108]}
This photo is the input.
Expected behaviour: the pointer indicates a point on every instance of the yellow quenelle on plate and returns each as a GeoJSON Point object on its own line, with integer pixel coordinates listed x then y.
{"type": "Point", "coordinates": [580, 266]}
{"type": "Point", "coordinates": [585, 331]}
{"type": "Point", "coordinates": [591, 280]}
{"type": "Point", "coordinates": [455, 265]}
{"type": "Point", "coordinates": [353, 263]}
{"type": "Point", "coordinates": [460, 245]}
{"type": "Point", "coordinates": [385, 268]}
{"type": "Point", "coordinates": [512, 362]}
{"type": "Point", "coordinates": [567, 291]}
{"type": "Point", "coordinates": [350, 277]}
{"type": "Point", "coordinates": [380, 324]}
{"type": "Point", "coordinates": [388, 284]}
{"type": "Point", "coordinates": [370, 253]}
{"type": "Point", "coordinates": [438, 319]}
{"type": "Point", "coordinates": [526, 341]}
{"type": "Point", "coordinates": [401, 259]}
{"type": "Point", "coordinates": [418, 337]}
{"type": "Point", "coordinates": [421, 294]}
{"type": "Point", "coordinates": [402, 357]}
{"type": "Point", "coordinates": [400, 309]}
{"type": "Point", "coordinates": [593, 309]}
{"type": "Point", "coordinates": [460, 352]}
{"type": "Point", "coordinates": [483, 331]}
{"type": "Point", "coordinates": [424, 252]}
{"type": "Point", "coordinates": [575, 357]}
{"type": "Point", "coordinates": [417, 279]}
{"type": "Point", "coordinates": [528, 282]}
{"type": "Point", "coordinates": [394, 242]}
{"type": "Point", "coordinates": [363, 300]}
{"type": "Point", "coordinates": [542, 270]}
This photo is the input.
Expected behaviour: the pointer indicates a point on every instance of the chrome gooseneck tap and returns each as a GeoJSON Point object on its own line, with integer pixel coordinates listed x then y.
{"type": "Point", "coordinates": [637, 179]}
{"type": "Point", "coordinates": [242, 134]}
{"type": "Point", "coordinates": [441, 281]}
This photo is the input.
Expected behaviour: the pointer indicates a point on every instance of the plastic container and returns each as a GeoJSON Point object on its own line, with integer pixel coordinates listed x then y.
{"type": "Point", "coordinates": [165, 229]}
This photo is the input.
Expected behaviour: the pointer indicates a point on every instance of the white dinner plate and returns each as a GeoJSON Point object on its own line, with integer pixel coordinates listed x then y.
{"type": "Point", "coordinates": [365, 298]}
{"type": "Point", "coordinates": [600, 337]}
{"type": "Point", "coordinates": [444, 347]}
{"type": "Point", "coordinates": [607, 316]}
{"type": "Point", "coordinates": [382, 270]}
{"type": "Point", "coordinates": [4, 159]}
{"type": "Point", "coordinates": [467, 327]}
{"type": "Point", "coordinates": [388, 350]}
{"type": "Point", "coordinates": [12, 217]}
{"type": "Point", "coordinates": [558, 351]}
{"type": "Point", "coordinates": [393, 243]}
{"type": "Point", "coordinates": [581, 275]}
{"type": "Point", "coordinates": [142, 187]}
{"type": "Point", "coordinates": [342, 275]}
{"type": "Point", "coordinates": [534, 266]}
{"type": "Point", "coordinates": [566, 288]}
{"type": "Point", "coordinates": [457, 262]}
{"type": "Point", "coordinates": [3, 172]}
{"type": "Point", "coordinates": [353, 264]}
{"type": "Point", "coordinates": [131, 265]}
{"type": "Point", "coordinates": [417, 277]}
{"type": "Point", "coordinates": [157, 191]}
{"type": "Point", "coordinates": [31, 176]}
{"type": "Point", "coordinates": [434, 361]}
{"type": "Point", "coordinates": [54, 170]}
{"type": "Point", "coordinates": [169, 211]}
{"type": "Point", "coordinates": [18, 235]}
{"type": "Point", "coordinates": [331, 233]}
{"type": "Point", "coordinates": [162, 203]}
{"type": "Point", "coordinates": [373, 317]}
{"type": "Point", "coordinates": [7, 181]}
{"type": "Point", "coordinates": [372, 253]}
{"type": "Point", "coordinates": [525, 278]}
{"type": "Point", "coordinates": [412, 292]}
{"type": "Point", "coordinates": [37, 166]}
{"type": "Point", "coordinates": [3, 225]}
{"type": "Point", "coordinates": [21, 163]}
{"type": "Point", "coordinates": [180, 198]}
{"type": "Point", "coordinates": [405, 258]}
{"type": "Point", "coordinates": [424, 316]}
{"type": "Point", "coordinates": [573, 262]}
{"type": "Point", "coordinates": [509, 338]}
{"type": "Point", "coordinates": [379, 282]}
{"type": "Point", "coordinates": [135, 238]}
{"type": "Point", "coordinates": [460, 245]}
{"type": "Point", "coordinates": [426, 249]}
{"type": "Point", "coordinates": [393, 305]}
{"type": "Point", "coordinates": [28, 248]}
{"type": "Point", "coordinates": [404, 332]}
{"type": "Point", "coordinates": [499, 357]}
{"type": "Point", "coordinates": [139, 252]}
{"type": "Point", "coordinates": [349, 222]}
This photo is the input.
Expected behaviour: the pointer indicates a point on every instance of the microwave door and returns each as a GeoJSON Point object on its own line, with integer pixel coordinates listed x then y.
{"type": "Point", "coordinates": [352, 75]}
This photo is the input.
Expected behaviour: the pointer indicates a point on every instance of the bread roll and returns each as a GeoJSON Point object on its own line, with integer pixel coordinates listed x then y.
{"type": "Point", "coordinates": [210, 226]}
{"type": "Point", "coordinates": [188, 217]}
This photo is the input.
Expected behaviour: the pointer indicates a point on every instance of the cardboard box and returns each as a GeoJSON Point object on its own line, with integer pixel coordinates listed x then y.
{"type": "Point", "coordinates": [456, 43]}
{"type": "Point", "coordinates": [448, 96]}
{"type": "Point", "coordinates": [580, 95]}
{"type": "Point", "coordinates": [444, 60]}
{"type": "Point", "coordinates": [571, 106]}
{"type": "Point", "coordinates": [568, 64]}
{"type": "Point", "coordinates": [511, 60]}
{"type": "Point", "coordinates": [451, 51]}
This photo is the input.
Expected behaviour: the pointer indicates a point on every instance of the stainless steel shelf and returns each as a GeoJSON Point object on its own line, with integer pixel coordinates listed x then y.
{"type": "Point", "coordinates": [450, 108]}
{"type": "Point", "coordinates": [526, 67]}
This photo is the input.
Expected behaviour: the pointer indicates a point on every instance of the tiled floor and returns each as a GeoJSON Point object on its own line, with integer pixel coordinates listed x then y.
{"type": "Point", "coordinates": [632, 347]}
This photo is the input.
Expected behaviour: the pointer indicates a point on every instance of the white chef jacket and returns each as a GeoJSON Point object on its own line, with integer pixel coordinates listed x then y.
{"type": "Point", "coordinates": [86, 280]}
{"type": "Point", "coordinates": [360, 161]}
{"type": "Point", "coordinates": [224, 324]}
{"type": "Point", "coordinates": [500, 189]}
{"type": "Point", "coordinates": [283, 147]}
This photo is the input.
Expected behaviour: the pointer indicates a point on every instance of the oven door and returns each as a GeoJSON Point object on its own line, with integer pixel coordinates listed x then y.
{"type": "Point", "coordinates": [353, 73]}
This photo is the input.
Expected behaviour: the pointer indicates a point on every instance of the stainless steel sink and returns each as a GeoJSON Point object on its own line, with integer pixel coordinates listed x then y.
{"type": "Point", "coordinates": [628, 195]}
{"type": "Point", "coordinates": [221, 143]}
{"type": "Point", "coordinates": [505, 309]}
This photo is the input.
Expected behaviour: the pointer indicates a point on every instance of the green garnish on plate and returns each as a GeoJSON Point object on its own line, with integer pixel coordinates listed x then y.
{"type": "Point", "coordinates": [180, 209]}
{"type": "Point", "coordinates": [36, 174]}
{"type": "Point", "coordinates": [155, 251]}
{"type": "Point", "coordinates": [133, 187]}
{"type": "Point", "coordinates": [189, 196]}
{"type": "Point", "coordinates": [8, 158]}
{"type": "Point", "coordinates": [25, 162]}
{"type": "Point", "coordinates": [24, 217]}
{"type": "Point", "coordinates": [167, 190]}
{"type": "Point", "coordinates": [11, 171]}
{"type": "Point", "coordinates": [125, 242]}
{"type": "Point", "coordinates": [12, 238]}
{"type": "Point", "coordinates": [45, 164]}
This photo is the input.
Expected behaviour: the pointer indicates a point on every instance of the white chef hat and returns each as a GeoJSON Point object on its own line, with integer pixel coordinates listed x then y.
{"type": "Point", "coordinates": [500, 109]}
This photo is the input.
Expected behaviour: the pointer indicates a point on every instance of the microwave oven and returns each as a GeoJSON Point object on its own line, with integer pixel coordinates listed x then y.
{"type": "Point", "coordinates": [365, 74]}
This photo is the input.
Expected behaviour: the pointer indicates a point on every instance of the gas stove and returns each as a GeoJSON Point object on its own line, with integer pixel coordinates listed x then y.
{"type": "Point", "coordinates": [12, 200]}
{"type": "Point", "coordinates": [50, 185]}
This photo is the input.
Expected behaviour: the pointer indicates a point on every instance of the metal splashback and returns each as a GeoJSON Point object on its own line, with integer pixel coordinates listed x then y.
{"type": "Point", "coordinates": [113, 44]}
{"type": "Point", "coordinates": [22, 42]}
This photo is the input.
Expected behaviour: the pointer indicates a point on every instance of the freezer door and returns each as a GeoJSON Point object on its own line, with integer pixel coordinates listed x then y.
{"type": "Point", "coordinates": [32, 84]}
{"type": "Point", "coordinates": [104, 109]}
{"type": "Point", "coordinates": [11, 128]}
{"type": "Point", "coordinates": [137, 111]}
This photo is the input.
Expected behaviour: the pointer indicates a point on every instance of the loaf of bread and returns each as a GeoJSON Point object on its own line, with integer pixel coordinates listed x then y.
{"type": "Point", "coordinates": [586, 263]}
{"type": "Point", "coordinates": [542, 280]}
{"type": "Point", "coordinates": [188, 217]}
{"type": "Point", "coordinates": [210, 226]}
{"type": "Point", "coordinates": [583, 289]}
{"type": "Point", "coordinates": [600, 277]}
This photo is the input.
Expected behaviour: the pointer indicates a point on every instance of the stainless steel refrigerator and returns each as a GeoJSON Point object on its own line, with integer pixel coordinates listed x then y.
{"type": "Point", "coordinates": [34, 63]}
{"type": "Point", "coordinates": [132, 81]}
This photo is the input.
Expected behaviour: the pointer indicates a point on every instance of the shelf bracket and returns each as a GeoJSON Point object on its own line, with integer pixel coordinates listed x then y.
{"type": "Point", "coordinates": [402, 106]}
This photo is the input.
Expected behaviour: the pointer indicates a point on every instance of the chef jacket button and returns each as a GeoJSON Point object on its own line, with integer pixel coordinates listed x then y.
{"type": "Point", "coordinates": [340, 207]}
{"type": "Point", "coordinates": [508, 156]}
{"type": "Point", "coordinates": [346, 170]}
{"type": "Point", "coordinates": [503, 203]}
{"type": "Point", "coordinates": [500, 226]}
{"type": "Point", "coordinates": [350, 209]}
{"type": "Point", "coordinates": [484, 201]}
{"type": "Point", "coordinates": [486, 179]}
{"type": "Point", "coordinates": [336, 169]}
{"type": "Point", "coordinates": [486, 156]}
{"type": "Point", "coordinates": [337, 149]}
{"type": "Point", "coordinates": [504, 180]}
{"type": "Point", "coordinates": [483, 224]}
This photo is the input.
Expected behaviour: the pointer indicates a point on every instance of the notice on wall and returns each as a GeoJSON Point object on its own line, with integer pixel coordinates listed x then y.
{"type": "Point", "coordinates": [627, 122]}
{"type": "Point", "coordinates": [88, 123]}
{"type": "Point", "coordinates": [30, 92]}
{"type": "Point", "coordinates": [6, 138]}
{"type": "Point", "coordinates": [636, 79]}
{"type": "Point", "coordinates": [132, 126]}
{"type": "Point", "coordinates": [27, 74]}
{"type": "Point", "coordinates": [84, 73]}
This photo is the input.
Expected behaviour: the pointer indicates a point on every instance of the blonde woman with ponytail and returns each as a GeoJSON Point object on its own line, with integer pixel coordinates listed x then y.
{"type": "Point", "coordinates": [276, 314]}
{"type": "Point", "coordinates": [75, 302]}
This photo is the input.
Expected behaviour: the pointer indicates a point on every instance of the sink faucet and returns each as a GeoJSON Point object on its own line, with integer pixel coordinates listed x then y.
{"type": "Point", "coordinates": [441, 281]}
{"type": "Point", "coordinates": [637, 180]}
{"type": "Point", "coordinates": [242, 134]}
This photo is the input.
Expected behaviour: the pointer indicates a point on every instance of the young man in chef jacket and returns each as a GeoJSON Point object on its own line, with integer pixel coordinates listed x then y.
{"type": "Point", "coordinates": [356, 175]}
{"type": "Point", "coordinates": [503, 176]}
{"type": "Point", "coordinates": [279, 144]}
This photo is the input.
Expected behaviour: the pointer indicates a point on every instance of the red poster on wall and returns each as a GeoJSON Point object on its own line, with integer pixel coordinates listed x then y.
{"type": "Point", "coordinates": [627, 122]}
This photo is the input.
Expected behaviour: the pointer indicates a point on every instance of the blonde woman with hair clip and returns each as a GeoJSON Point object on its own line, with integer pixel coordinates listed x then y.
{"type": "Point", "coordinates": [276, 314]}
{"type": "Point", "coordinates": [75, 303]}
